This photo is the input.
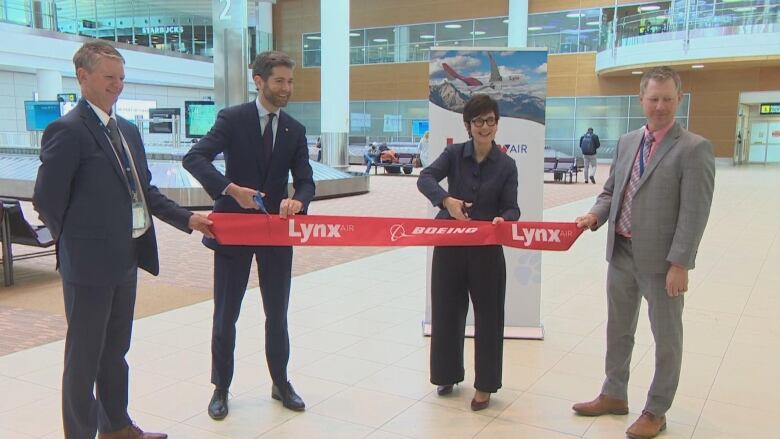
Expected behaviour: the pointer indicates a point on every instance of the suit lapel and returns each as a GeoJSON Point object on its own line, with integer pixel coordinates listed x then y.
{"type": "Point", "coordinates": [252, 121]}
{"type": "Point", "coordinates": [669, 140]}
{"type": "Point", "coordinates": [95, 127]}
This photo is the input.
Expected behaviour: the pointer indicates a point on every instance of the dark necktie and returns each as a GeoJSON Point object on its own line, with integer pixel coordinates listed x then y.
{"type": "Point", "coordinates": [268, 138]}
{"type": "Point", "coordinates": [119, 149]}
{"type": "Point", "coordinates": [116, 141]}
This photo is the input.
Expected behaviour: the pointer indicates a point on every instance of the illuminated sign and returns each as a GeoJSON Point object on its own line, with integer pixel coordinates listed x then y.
{"type": "Point", "coordinates": [162, 30]}
{"type": "Point", "coordinates": [773, 108]}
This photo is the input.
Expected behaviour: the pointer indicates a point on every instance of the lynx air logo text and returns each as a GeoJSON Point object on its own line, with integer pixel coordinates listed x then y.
{"type": "Point", "coordinates": [529, 235]}
{"type": "Point", "coordinates": [307, 231]}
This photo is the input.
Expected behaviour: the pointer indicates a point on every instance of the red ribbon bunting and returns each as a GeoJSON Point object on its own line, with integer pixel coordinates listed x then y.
{"type": "Point", "coordinates": [321, 230]}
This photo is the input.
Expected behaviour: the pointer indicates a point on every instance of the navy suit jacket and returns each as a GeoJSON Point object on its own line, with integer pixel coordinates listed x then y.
{"type": "Point", "coordinates": [237, 135]}
{"type": "Point", "coordinates": [82, 197]}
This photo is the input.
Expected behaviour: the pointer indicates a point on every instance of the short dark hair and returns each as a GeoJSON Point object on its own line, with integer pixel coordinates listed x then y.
{"type": "Point", "coordinates": [478, 105]}
{"type": "Point", "coordinates": [266, 61]}
{"type": "Point", "coordinates": [91, 51]}
{"type": "Point", "coordinates": [660, 74]}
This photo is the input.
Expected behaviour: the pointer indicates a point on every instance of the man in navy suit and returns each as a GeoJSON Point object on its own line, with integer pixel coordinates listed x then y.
{"type": "Point", "coordinates": [94, 193]}
{"type": "Point", "coordinates": [261, 145]}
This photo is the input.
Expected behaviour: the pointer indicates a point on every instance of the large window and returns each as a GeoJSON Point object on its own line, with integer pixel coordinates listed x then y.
{"type": "Point", "coordinates": [609, 116]}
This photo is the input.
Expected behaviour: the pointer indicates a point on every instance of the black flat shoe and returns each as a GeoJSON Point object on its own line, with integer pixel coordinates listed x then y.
{"type": "Point", "coordinates": [287, 395]}
{"type": "Point", "coordinates": [444, 390]}
{"type": "Point", "coordinates": [218, 406]}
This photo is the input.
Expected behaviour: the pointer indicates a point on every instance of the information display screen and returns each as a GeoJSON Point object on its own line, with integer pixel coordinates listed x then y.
{"type": "Point", "coordinates": [39, 114]}
{"type": "Point", "coordinates": [419, 127]}
{"type": "Point", "coordinates": [68, 101]}
{"type": "Point", "coordinates": [199, 117]}
{"type": "Point", "coordinates": [773, 108]}
{"type": "Point", "coordinates": [162, 113]}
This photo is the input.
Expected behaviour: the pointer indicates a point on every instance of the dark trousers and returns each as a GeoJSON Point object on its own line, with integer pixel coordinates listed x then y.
{"type": "Point", "coordinates": [231, 275]}
{"type": "Point", "coordinates": [457, 274]}
{"type": "Point", "coordinates": [100, 321]}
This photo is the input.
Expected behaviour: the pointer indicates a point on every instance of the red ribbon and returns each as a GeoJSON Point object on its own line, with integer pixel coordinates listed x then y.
{"type": "Point", "coordinates": [321, 230]}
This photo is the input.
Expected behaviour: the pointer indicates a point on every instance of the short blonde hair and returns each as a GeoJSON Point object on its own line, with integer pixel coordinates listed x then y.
{"type": "Point", "coordinates": [89, 54]}
{"type": "Point", "coordinates": [660, 74]}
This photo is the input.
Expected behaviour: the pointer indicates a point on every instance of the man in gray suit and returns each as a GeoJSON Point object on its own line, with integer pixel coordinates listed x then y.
{"type": "Point", "coordinates": [657, 201]}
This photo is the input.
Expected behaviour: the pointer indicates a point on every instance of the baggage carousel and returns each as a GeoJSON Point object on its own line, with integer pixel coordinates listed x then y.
{"type": "Point", "coordinates": [19, 167]}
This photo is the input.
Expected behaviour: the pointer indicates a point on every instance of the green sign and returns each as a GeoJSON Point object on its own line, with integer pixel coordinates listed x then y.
{"type": "Point", "coordinates": [773, 108]}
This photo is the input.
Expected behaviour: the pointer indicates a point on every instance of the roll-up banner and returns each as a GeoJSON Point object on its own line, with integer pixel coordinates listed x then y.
{"type": "Point", "coordinates": [517, 79]}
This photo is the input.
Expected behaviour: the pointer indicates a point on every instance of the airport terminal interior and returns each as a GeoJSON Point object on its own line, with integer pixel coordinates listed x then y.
{"type": "Point", "coordinates": [359, 355]}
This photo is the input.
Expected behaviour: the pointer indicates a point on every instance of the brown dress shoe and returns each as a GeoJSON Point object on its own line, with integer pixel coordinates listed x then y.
{"type": "Point", "coordinates": [602, 405]}
{"type": "Point", "coordinates": [647, 426]}
{"type": "Point", "coordinates": [131, 432]}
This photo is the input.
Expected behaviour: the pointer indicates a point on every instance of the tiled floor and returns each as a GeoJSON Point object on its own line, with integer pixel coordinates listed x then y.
{"type": "Point", "coordinates": [359, 361]}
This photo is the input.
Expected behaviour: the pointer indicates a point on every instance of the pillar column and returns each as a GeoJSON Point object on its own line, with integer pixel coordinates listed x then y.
{"type": "Point", "coordinates": [518, 23]}
{"type": "Point", "coordinates": [334, 77]}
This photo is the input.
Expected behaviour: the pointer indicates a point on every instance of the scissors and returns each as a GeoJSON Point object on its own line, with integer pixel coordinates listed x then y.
{"type": "Point", "coordinates": [258, 197]}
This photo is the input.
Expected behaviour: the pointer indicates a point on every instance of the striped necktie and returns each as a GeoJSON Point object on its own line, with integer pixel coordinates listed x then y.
{"type": "Point", "coordinates": [623, 225]}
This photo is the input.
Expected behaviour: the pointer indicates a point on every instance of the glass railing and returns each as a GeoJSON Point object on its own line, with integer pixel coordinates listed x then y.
{"type": "Point", "coordinates": [692, 21]}
{"type": "Point", "coordinates": [126, 21]}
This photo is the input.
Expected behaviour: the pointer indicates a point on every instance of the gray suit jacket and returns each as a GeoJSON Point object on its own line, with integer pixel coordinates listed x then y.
{"type": "Point", "coordinates": [672, 203]}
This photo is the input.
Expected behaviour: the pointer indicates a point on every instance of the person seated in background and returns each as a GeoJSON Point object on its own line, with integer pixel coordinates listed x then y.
{"type": "Point", "coordinates": [318, 145]}
{"type": "Point", "coordinates": [370, 156]}
{"type": "Point", "coordinates": [387, 155]}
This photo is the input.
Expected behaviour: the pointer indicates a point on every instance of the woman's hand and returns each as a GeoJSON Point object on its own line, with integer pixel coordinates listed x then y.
{"type": "Point", "coordinates": [457, 208]}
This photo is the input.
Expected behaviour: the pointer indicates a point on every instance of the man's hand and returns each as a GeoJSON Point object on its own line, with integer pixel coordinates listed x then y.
{"type": "Point", "coordinates": [200, 223]}
{"type": "Point", "coordinates": [457, 208]}
{"type": "Point", "coordinates": [587, 221]}
{"type": "Point", "coordinates": [498, 220]}
{"type": "Point", "coordinates": [242, 195]}
{"type": "Point", "coordinates": [289, 207]}
{"type": "Point", "coordinates": [676, 280]}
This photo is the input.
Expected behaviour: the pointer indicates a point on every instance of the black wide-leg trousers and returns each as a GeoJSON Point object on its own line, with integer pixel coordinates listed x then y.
{"type": "Point", "coordinates": [460, 273]}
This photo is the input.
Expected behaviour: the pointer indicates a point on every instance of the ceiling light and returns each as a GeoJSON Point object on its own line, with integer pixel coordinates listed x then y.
{"type": "Point", "coordinates": [354, 34]}
{"type": "Point", "coordinates": [697, 66]}
{"type": "Point", "coordinates": [574, 15]}
{"type": "Point", "coordinates": [427, 37]}
{"type": "Point", "coordinates": [453, 26]}
{"type": "Point", "coordinates": [593, 23]}
{"type": "Point", "coordinates": [637, 72]}
{"type": "Point", "coordinates": [478, 32]}
{"type": "Point", "coordinates": [380, 40]}
{"type": "Point", "coordinates": [313, 37]}
{"type": "Point", "coordinates": [534, 28]}
{"type": "Point", "coordinates": [506, 21]}
{"type": "Point", "coordinates": [648, 8]}
{"type": "Point", "coordinates": [745, 9]}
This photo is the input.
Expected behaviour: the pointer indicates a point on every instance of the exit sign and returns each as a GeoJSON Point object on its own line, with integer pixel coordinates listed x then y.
{"type": "Point", "coordinates": [770, 108]}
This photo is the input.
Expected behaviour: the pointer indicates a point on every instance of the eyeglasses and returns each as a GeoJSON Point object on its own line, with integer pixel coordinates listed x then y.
{"type": "Point", "coordinates": [478, 122]}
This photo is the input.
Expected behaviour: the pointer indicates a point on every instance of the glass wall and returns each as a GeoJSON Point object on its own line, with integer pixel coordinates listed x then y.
{"type": "Point", "coordinates": [561, 32]}
{"type": "Point", "coordinates": [609, 116]}
{"type": "Point", "coordinates": [375, 120]}
{"type": "Point", "coordinates": [567, 119]}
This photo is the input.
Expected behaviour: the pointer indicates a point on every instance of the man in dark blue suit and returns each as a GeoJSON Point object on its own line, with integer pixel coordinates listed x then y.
{"type": "Point", "coordinates": [261, 145]}
{"type": "Point", "coordinates": [94, 193]}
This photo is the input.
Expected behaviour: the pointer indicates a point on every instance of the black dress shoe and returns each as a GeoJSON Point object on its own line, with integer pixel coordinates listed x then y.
{"type": "Point", "coordinates": [444, 390]}
{"type": "Point", "coordinates": [287, 395]}
{"type": "Point", "coordinates": [218, 406]}
{"type": "Point", "coordinates": [592, 180]}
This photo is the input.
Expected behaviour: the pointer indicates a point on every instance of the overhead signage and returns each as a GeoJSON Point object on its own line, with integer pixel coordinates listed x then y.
{"type": "Point", "coordinates": [773, 108]}
{"type": "Point", "coordinates": [162, 30]}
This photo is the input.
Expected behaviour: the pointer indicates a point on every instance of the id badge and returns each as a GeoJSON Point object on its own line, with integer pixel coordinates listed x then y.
{"type": "Point", "coordinates": [139, 218]}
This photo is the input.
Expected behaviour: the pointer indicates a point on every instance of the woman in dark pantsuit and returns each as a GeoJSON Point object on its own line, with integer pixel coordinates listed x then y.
{"type": "Point", "coordinates": [482, 186]}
